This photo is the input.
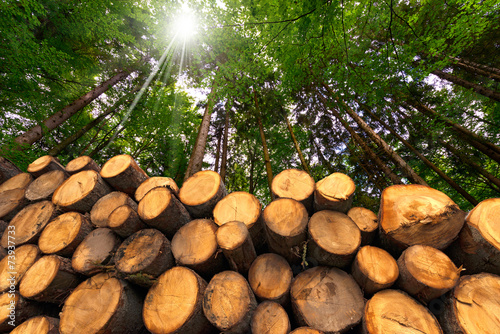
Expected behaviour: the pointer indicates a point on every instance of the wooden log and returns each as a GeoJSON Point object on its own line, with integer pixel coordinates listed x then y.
{"type": "Point", "coordinates": [295, 184]}
{"type": "Point", "coordinates": [426, 273]}
{"type": "Point", "coordinates": [473, 305]}
{"type": "Point", "coordinates": [44, 165]}
{"type": "Point", "coordinates": [367, 222]}
{"type": "Point", "coordinates": [478, 244]}
{"type": "Point", "coordinates": [50, 279]}
{"type": "Point", "coordinates": [102, 304]}
{"type": "Point", "coordinates": [270, 318]}
{"type": "Point", "coordinates": [80, 191]}
{"type": "Point", "coordinates": [306, 330]}
{"type": "Point", "coordinates": [11, 202]}
{"type": "Point", "coordinates": [27, 225]}
{"type": "Point", "coordinates": [125, 221]}
{"type": "Point", "coordinates": [19, 181]}
{"type": "Point", "coordinates": [14, 266]}
{"type": "Point", "coordinates": [95, 251]}
{"type": "Point", "coordinates": [174, 304]}
{"type": "Point", "coordinates": [374, 269]}
{"type": "Point", "coordinates": [394, 312]}
{"type": "Point", "coordinates": [123, 174]}
{"type": "Point", "coordinates": [195, 246]}
{"type": "Point", "coordinates": [285, 221]}
{"type": "Point", "coordinates": [62, 235]}
{"type": "Point", "coordinates": [270, 278]}
{"type": "Point", "coordinates": [246, 208]}
{"type": "Point", "coordinates": [415, 214]}
{"type": "Point", "coordinates": [334, 192]}
{"type": "Point", "coordinates": [106, 204]}
{"type": "Point", "coordinates": [144, 256]}
{"type": "Point", "coordinates": [201, 192]}
{"type": "Point", "coordinates": [229, 290]}
{"type": "Point", "coordinates": [15, 309]}
{"type": "Point", "coordinates": [39, 325]}
{"type": "Point", "coordinates": [3, 251]}
{"type": "Point", "coordinates": [236, 244]}
{"type": "Point", "coordinates": [153, 182]}
{"type": "Point", "coordinates": [7, 170]}
{"type": "Point", "coordinates": [163, 211]}
{"type": "Point", "coordinates": [327, 299]}
{"type": "Point", "coordinates": [3, 226]}
{"type": "Point", "coordinates": [334, 238]}
{"type": "Point", "coordinates": [44, 186]}
{"type": "Point", "coordinates": [82, 163]}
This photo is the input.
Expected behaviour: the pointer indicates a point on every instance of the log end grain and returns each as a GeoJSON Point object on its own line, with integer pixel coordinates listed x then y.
{"type": "Point", "coordinates": [19, 181]}
{"type": "Point", "coordinates": [367, 222]}
{"type": "Point", "coordinates": [123, 173]}
{"type": "Point", "coordinates": [45, 185]}
{"type": "Point", "coordinates": [106, 204]}
{"type": "Point", "coordinates": [153, 182]}
{"type": "Point", "coordinates": [334, 192]}
{"type": "Point", "coordinates": [271, 318]}
{"type": "Point", "coordinates": [270, 278]}
{"type": "Point", "coordinates": [306, 330]}
{"type": "Point", "coordinates": [201, 192]}
{"type": "Point", "coordinates": [295, 184]}
{"type": "Point", "coordinates": [236, 244]}
{"type": "Point", "coordinates": [39, 325]}
{"type": "Point", "coordinates": [82, 163]}
{"type": "Point", "coordinates": [11, 202]}
{"type": "Point", "coordinates": [95, 251]}
{"type": "Point", "coordinates": [43, 165]}
{"type": "Point", "coordinates": [125, 221]}
{"type": "Point", "coordinates": [12, 271]}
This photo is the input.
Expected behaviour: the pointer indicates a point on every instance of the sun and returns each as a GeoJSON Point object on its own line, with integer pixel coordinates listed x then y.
{"type": "Point", "coordinates": [185, 23]}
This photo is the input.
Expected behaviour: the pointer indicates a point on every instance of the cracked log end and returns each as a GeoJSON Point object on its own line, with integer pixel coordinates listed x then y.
{"type": "Point", "coordinates": [201, 192]}
{"type": "Point", "coordinates": [123, 174]}
{"type": "Point", "coordinates": [334, 192]}
{"type": "Point", "coordinates": [43, 165]}
{"type": "Point", "coordinates": [82, 163]}
{"type": "Point", "coordinates": [153, 182]}
{"type": "Point", "coordinates": [270, 317]}
{"type": "Point", "coordinates": [295, 184]}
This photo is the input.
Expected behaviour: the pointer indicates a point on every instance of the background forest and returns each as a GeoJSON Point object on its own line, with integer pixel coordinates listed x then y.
{"type": "Point", "coordinates": [387, 92]}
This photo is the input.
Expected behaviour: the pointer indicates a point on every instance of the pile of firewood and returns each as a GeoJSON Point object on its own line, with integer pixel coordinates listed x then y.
{"type": "Point", "coordinates": [111, 250]}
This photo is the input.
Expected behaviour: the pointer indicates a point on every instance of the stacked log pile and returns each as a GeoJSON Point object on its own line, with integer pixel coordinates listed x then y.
{"type": "Point", "coordinates": [107, 249]}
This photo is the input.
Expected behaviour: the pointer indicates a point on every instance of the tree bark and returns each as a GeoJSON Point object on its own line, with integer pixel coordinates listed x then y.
{"type": "Point", "coordinates": [267, 159]}
{"type": "Point", "coordinates": [219, 135]}
{"type": "Point", "coordinates": [7, 169]}
{"type": "Point", "coordinates": [224, 148]}
{"type": "Point", "coordinates": [37, 132]}
{"type": "Point", "coordinates": [297, 147]}
{"type": "Point", "coordinates": [480, 66]}
{"type": "Point", "coordinates": [489, 93]}
{"type": "Point", "coordinates": [474, 69]}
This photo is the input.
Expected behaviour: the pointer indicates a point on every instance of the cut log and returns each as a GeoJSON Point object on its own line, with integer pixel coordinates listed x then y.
{"type": "Point", "coordinates": [80, 191]}
{"type": "Point", "coordinates": [306, 330]}
{"type": "Point", "coordinates": [125, 221]}
{"type": "Point", "coordinates": [102, 304]}
{"type": "Point", "coordinates": [473, 306]}
{"type": "Point", "coordinates": [144, 256]}
{"type": "Point", "coordinates": [44, 165]}
{"type": "Point", "coordinates": [327, 299]}
{"type": "Point", "coordinates": [201, 192]}
{"type": "Point", "coordinates": [295, 184]}
{"type": "Point", "coordinates": [19, 181]}
{"type": "Point", "coordinates": [3, 251]}
{"type": "Point", "coordinates": [270, 278]}
{"type": "Point", "coordinates": [106, 204]}
{"type": "Point", "coordinates": [426, 273]}
{"type": "Point", "coordinates": [27, 225]}
{"type": "Point", "coordinates": [11, 202]}
{"type": "Point", "coordinates": [39, 325]}
{"type": "Point", "coordinates": [15, 309]}
{"type": "Point", "coordinates": [7, 170]}
{"type": "Point", "coordinates": [285, 221]}
{"type": "Point", "coordinates": [394, 312]}
{"type": "Point", "coordinates": [95, 251]}
{"type": "Point", "coordinates": [123, 174]}
{"type": "Point", "coordinates": [334, 192]}
{"type": "Point", "coordinates": [418, 215]}
{"type": "Point", "coordinates": [163, 211]}
{"type": "Point", "coordinates": [270, 318]}
{"type": "Point", "coordinates": [367, 222]}
{"type": "Point", "coordinates": [14, 266]}
{"type": "Point", "coordinates": [50, 280]}
{"type": "Point", "coordinates": [195, 246]}
{"type": "Point", "coordinates": [374, 269]}
{"type": "Point", "coordinates": [82, 163]}
{"type": "Point", "coordinates": [153, 182]}
{"type": "Point", "coordinates": [334, 238]}
{"type": "Point", "coordinates": [3, 226]}
{"type": "Point", "coordinates": [62, 235]}
{"type": "Point", "coordinates": [226, 291]}
{"type": "Point", "coordinates": [478, 244]}
{"type": "Point", "coordinates": [246, 208]}
{"type": "Point", "coordinates": [44, 186]}
{"type": "Point", "coordinates": [174, 304]}
{"type": "Point", "coordinates": [236, 244]}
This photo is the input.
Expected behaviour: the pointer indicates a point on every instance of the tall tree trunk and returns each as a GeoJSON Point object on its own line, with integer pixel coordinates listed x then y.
{"type": "Point", "coordinates": [490, 70]}
{"type": "Point", "coordinates": [428, 163]}
{"type": "Point", "coordinates": [108, 137]}
{"type": "Point", "coordinates": [387, 171]}
{"type": "Point", "coordinates": [494, 95]}
{"type": "Point", "coordinates": [267, 159]}
{"type": "Point", "coordinates": [407, 169]}
{"type": "Point", "coordinates": [37, 132]}
{"type": "Point", "coordinates": [321, 157]}
{"type": "Point", "coordinates": [253, 158]}
{"type": "Point", "coordinates": [476, 70]}
{"type": "Point", "coordinates": [223, 162]}
{"type": "Point", "coordinates": [219, 134]}
{"type": "Point", "coordinates": [363, 163]}
{"type": "Point", "coordinates": [297, 147]}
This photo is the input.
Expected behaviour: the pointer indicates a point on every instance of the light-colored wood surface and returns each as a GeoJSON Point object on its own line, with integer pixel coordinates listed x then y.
{"type": "Point", "coordinates": [306, 330]}
{"type": "Point", "coordinates": [295, 184]}
{"type": "Point", "coordinates": [334, 192]}
{"type": "Point", "coordinates": [270, 318]}
{"type": "Point", "coordinates": [236, 244]}
{"type": "Point", "coordinates": [38, 325]}
{"type": "Point", "coordinates": [123, 174]}
{"type": "Point", "coordinates": [24, 309]}
{"type": "Point", "coordinates": [13, 268]}
{"type": "Point", "coordinates": [43, 165]}
{"type": "Point", "coordinates": [367, 222]}
{"type": "Point", "coordinates": [45, 185]}
{"type": "Point", "coordinates": [11, 202]}
{"type": "Point", "coordinates": [106, 204]}
{"type": "Point", "coordinates": [19, 181]}
{"type": "Point", "coordinates": [153, 182]}
{"type": "Point", "coordinates": [82, 163]}
{"type": "Point", "coordinates": [125, 221]}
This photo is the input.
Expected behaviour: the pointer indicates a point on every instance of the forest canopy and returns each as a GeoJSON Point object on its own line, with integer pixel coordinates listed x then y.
{"type": "Point", "coordinates": [387, 92]}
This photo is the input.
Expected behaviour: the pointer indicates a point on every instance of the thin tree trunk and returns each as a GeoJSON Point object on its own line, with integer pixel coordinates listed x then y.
{"type": "Point", "coordinates": [224, 146]}
{"type": "Point", "coordinates": [219, 135]}
{"type": "Point", "coordinates": [428, 163]}
{"type": "Point", "coordinates": [494, 95]}
{"type": "Point", "coordinates": [105, 141]}
{"type": "Point", "coordinates": [387, 171]}
{"type": "Point", "coordinates": [251, 188]}
{"type": "Point", "coordinates": [267, 159]}
{"type": "Point", "coordinates": [297, 147]}
{"type": "Point", "coordinates": [37, 132]}
{"type": "Point", "coordinates": [407, 169]}
{"type": "Point", "coordinates": [477, 70]}
{"type": "Point", "coordinates": [322, 158]}
{"type": "Point", "coordinates": [486, 68]}
{"type": "Point", "coordinates": [363, 164]}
